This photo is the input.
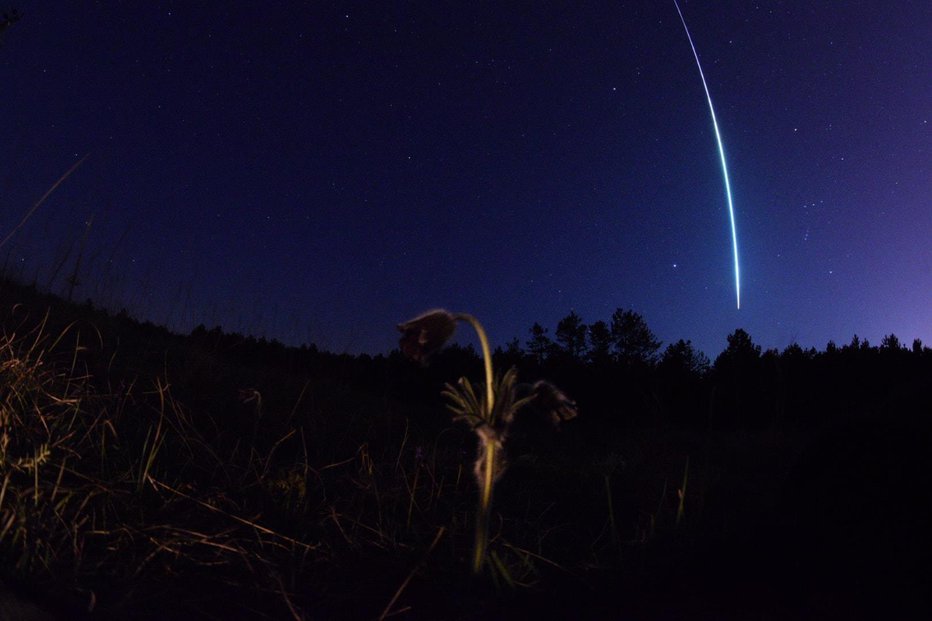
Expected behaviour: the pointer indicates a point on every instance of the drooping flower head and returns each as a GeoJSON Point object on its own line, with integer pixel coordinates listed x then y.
{"type": "Point", "coordinates": [553, 402]}
{"type": "Point", "coordinates": [425, 334]}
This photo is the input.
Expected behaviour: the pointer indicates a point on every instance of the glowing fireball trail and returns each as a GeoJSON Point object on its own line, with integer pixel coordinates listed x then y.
{"type": "Point", "coordinates": [721, 152]}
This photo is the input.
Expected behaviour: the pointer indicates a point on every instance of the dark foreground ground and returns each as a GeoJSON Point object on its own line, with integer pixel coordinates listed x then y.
{"type": "Point", "coordinates": [154, 476]}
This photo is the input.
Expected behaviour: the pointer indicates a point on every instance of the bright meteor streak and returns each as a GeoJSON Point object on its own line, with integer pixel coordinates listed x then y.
{"type": "Point", "coordinates": [721, 152]}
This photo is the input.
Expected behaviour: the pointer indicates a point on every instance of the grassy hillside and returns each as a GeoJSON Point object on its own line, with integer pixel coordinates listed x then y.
{"type": "Point", "coordinates": [151, 475]}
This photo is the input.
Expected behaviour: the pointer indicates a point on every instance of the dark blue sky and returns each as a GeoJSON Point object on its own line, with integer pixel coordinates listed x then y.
{"type": "Point", "coordinates": [320, 171]}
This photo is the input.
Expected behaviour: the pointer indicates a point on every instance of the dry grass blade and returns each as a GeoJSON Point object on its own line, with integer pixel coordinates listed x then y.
{"type": "Point", "coordinates": [48, 192]}
{"type": "Point", "coordinates": [235, 518]}
{"type": "Point", "coordinates": [284, 592]}
{"type": "Point", "coordinates": [387, 611]}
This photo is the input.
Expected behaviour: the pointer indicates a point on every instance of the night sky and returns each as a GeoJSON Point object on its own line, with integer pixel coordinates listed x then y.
{"type": "Point", "coordinates": [317, 172]}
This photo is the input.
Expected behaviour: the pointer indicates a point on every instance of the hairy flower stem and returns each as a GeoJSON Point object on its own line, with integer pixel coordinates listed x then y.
{"type": "Point", "coordinates": [485, 494]}
{"type": "Point", "coordinates": [485, 508]}
{"type": "Point", "coordinates": [486, 358]}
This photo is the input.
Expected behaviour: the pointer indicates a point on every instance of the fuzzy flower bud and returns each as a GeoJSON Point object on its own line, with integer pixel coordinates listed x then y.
{"type": "Point", "coordinates": [550, 400]}
{"type": "Point", "coordinates": [425, 334]}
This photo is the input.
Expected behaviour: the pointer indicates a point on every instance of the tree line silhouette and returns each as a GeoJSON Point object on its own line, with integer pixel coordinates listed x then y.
{"type": "Point", "coordinates": [621, 374]}
{"type": "Point", "coordinates": [617, 370]}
